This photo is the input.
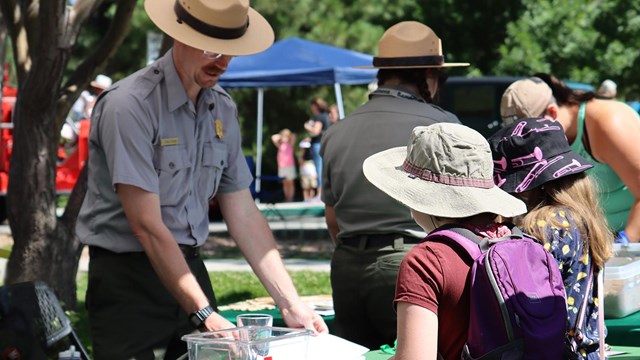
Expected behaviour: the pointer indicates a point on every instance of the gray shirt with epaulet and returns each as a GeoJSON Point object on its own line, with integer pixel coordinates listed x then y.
{"type": "Point", "coordinates": [146, 132]}
{"type": "Point", "coordinates": [382, 123]}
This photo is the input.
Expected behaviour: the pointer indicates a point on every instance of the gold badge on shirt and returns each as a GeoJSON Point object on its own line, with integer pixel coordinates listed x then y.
{"type": "Point", "coordinates": [219, 129]}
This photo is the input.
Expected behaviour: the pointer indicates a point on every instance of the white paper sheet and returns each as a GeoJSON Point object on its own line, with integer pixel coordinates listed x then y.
{"type": "Point", "coordinates": [327, 346]}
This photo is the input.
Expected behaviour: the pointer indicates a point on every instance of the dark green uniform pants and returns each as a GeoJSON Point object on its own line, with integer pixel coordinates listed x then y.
{"type": "Point", "coordinates": [363, 281]}
{"type": "Point", "coordinates": [131, 313]}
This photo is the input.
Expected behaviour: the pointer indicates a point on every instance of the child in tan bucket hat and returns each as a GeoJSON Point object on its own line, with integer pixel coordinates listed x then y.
{"type": "Point", "coordinates": [445, 176]}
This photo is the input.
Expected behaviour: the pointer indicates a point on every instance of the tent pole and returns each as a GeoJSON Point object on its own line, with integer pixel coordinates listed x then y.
{"type": "Point", "coordinates": [338, 90]}
{"type": "Point", "coordinates": [259, 142]}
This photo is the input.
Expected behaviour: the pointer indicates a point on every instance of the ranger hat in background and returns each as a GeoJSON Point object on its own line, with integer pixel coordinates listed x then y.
{"type": "Point", "coordinates": [410, 44]}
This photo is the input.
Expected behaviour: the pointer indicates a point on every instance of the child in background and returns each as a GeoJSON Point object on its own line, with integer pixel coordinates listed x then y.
{"type": "Point", "coordinates": [284, 141]}
{"type": "Point", "coordinates": [308, 173]}
{"type": "Point", "coordinates": [444, 175]}
{"type": "Point", "coordinates": [534, 161]}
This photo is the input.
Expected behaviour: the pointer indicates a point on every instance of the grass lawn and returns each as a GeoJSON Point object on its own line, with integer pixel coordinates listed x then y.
{"type": "Point", "coordinates": [229, 286]}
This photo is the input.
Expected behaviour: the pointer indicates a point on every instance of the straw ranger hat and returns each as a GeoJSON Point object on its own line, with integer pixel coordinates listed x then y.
{"type": "Point", "coordinates": [445, 170]}
{"type": "Point", "coordinates": [410, 44]}
{"type": "Point", "coordinates": [227, 27]}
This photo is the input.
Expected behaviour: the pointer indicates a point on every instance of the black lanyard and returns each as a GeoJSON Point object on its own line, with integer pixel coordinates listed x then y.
{"type": "Point", "coordinates": [397, 94]}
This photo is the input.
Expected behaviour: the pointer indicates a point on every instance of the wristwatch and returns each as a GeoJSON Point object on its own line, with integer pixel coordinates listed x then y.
{"type": "Point", "coordinates": [197, 318]}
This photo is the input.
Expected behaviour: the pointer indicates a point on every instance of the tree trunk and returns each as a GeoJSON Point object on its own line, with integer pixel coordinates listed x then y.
{"type": "Point", "coordinates": [45, 246]}
{"type": "Point", "coordinates": [40, 248]}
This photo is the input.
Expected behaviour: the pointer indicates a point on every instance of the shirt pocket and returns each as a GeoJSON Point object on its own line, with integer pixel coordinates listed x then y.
{"type": "Point", "coordinates": [173, 167]}
{"type": "Point", "coordinates": [214, 161]}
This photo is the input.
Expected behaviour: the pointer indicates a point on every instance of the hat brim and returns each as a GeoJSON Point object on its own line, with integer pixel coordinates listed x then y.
{"type": "Point", "coordinates": [414, 66]}
{"type": "Point", "coordinates": [513, 180]}
{"type": "Point", "coordinates": [384, 171]}
{"type": "Point", "coordinates": [98, 86]}
{"type": "Point", "coordinates": [259, 35]}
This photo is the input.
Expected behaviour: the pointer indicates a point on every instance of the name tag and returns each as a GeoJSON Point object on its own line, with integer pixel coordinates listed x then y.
{"type": "Point", "coordinates": [169, 142]}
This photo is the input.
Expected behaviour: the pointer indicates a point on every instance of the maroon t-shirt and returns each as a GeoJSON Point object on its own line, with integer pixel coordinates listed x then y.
{"type": "Point", "coordinates": [435, 276]}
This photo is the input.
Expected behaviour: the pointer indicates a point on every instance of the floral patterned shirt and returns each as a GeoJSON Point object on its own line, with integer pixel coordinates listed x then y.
{"type": "Point", "coordinates": [567, 246]}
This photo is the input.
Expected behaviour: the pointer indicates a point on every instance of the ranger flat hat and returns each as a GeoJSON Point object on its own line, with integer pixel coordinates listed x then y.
{"type": "Point", "coordinates": [228, 27]}
{"type": "Point", "coordinates": [410, 44]}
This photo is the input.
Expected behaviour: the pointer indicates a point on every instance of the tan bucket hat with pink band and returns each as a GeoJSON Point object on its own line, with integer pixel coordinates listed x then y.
{"type": "Point", "coordinates": [445, 170]}
{"type": "Point", "coordinates": [410, 44]}
{"type": "Point", "coordinates": [227, 27]}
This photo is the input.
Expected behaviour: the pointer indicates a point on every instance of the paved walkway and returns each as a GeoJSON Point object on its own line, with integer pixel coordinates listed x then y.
{"type": "Point", "coordinates": [293, 224]}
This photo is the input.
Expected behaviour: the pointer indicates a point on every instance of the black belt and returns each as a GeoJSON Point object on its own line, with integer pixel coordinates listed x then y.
{"type": "Point", "coordinates": [378, 240]}
{"type": "Point", "coordinates": [189, 252]}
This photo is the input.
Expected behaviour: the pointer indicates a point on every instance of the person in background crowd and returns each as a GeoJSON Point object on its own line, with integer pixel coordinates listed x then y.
{"type": "Point", "coordinates": [334, 114]}
{"type": "Point", "coordinates": [533, 161]}
{"type": "Point", "coordinates": [316, 127]}
{"type": "Point", "coordinates": [83, 106]}
{"type": "Point", "coordinates": [163, 142]}
{"type": "Point", "coordinates": [308, 173]}
{"type": "Point", "coordinates": [604, 132]}
{"type": "Point", "coordinates": [285, 141]}
{"type": "Point", "coordinates": [607, 90]}
{"type": "Point", "coordinates": [445, 176]}
{"type": "Point", "coordinates": [372, 232]}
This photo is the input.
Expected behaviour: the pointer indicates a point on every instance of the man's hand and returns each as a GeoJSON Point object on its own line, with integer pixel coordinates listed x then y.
{"type": "Point", "coordinates": [216, 322]}
{"type": "Point", "coordinates": [301, 315]}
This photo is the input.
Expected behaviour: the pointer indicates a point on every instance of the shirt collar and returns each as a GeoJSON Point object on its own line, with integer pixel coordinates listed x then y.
{"type": "Point", "coordinates": [175, 90]}
{"type": "Point", "coordinates": [176, 94]}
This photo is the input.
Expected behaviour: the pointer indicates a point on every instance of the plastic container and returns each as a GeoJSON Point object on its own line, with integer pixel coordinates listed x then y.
{"type": "Point", "coordinates": [622, 282]}
{"type": "Point", "coordinates": [249, 343]}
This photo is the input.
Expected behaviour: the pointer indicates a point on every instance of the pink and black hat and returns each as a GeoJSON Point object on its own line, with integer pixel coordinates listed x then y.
{"type": "Point", "coordinates": [531, 152]}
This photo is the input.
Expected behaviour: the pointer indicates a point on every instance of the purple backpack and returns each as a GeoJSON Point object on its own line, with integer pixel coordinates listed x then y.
{"type": "Point", "coordinates": [518, 304]}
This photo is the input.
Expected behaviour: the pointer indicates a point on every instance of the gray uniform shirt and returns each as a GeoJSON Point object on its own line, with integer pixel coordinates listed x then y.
{"type": "Point", "coordinates": [384, 122]}
{"type": "Point", "coordinates": [146, 132]}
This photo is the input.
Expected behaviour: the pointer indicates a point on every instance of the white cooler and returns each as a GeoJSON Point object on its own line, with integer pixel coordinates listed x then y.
{"type": "Point", "coordinates": [622, 282]}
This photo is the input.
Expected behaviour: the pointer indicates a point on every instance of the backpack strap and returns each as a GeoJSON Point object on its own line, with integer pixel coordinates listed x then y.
{"type": "Point", "coordinates": [471, 242]}
{"type": "Point", "coordinates": [577, 327]}
{"type": "Point", "coordinates": [601, 348]}
{"type": "Point", "coordinates": [464, 238]}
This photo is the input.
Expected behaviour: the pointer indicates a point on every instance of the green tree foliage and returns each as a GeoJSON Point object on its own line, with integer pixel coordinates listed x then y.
{"type": "Point", "coordinates": [131, 56]}
{"type": "Point", "coordinates": [355, 25]}
{"type": "Point", "coordinates": [471, 31]}
{"type": "Point", "coordinates": [580, 40]}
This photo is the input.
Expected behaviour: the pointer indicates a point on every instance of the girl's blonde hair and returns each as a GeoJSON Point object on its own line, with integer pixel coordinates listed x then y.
{"type": "Point", "coordinates": [576, 194]}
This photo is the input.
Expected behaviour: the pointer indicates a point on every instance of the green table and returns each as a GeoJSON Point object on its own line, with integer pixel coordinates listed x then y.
{"type": "Point", "coordinates": [376, 355]}
{"type": "Point", "coordinates": [277, 317]}
{"type": "Point", "coordinates": [631, 353]}
{"type": "Point", "coordinates": [624, 331]}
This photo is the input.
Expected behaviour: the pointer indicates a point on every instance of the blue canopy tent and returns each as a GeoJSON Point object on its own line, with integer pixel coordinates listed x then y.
{"type": "Point", "coordinates": [296, 62]}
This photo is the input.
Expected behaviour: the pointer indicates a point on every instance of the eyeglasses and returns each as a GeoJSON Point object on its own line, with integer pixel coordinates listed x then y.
{"type": "Point", "coordinates": [211, 55]}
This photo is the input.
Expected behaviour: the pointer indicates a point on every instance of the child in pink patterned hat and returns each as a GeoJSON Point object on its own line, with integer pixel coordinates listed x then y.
{"type": "Point", "coordinates": [533, 160]}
